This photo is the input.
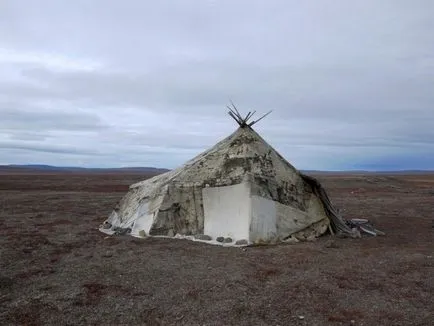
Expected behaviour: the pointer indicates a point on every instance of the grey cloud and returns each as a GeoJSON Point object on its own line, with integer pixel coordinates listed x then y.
{"type": "Point", "coordinates": [291, 91]}
{"type": "Point", "coordinates": [38, 118]}
{"type": "Point", "coordinates": [17, 152]}
{"type": "Point", "coordinates": [26, 135]}
{"type": "Point", "coordinates": [146, 82]}
{"type": "Point", "coordinates": [46, 148]}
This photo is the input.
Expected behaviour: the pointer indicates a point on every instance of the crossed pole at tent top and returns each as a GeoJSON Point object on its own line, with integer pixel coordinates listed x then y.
{"type": "Point", "coordinates": [243, 122]}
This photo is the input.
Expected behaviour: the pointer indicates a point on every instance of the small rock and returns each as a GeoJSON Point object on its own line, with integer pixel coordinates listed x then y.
{"type": "Point", "coordinates": [356, 233]}
{"type": "Point", "coordinates": [106, 225]}
{"type": "Point", "coordinates": [202, 237]}
{"type": "Point", "coordinates": [301, 317]}
{"type": "Point", "coordinates": [291, 239]}
{"type": "Point", "coordinates": [311, 238]}
{"type": "Point", "coordinates": [171, 233]}
{"type": "Point", "coordinates": [352, 321]}
{"type": "Point", "coordinates": [142, 233]}
{"type": "Point", "coordinates": [227, 240]}
{"type": "Point", "coordinates": [220, 239]}
{"type": "Point", "coordinates": [242, 242]}
{"type": "Point", "coordinates": [122, 231]}
{"type": "Point", "coordinates": [107, 254]}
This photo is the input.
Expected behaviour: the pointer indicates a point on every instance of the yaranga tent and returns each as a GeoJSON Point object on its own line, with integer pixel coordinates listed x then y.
{"type": "Point", "coordinates": [241, 191]}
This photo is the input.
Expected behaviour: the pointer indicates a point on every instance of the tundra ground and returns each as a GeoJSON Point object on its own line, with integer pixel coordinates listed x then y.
{"type": "Point", "coordinates": [57, 269]}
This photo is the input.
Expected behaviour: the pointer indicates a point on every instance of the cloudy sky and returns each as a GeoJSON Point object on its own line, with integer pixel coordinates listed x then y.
{"type": "Point", "coordinates": [111, 83]}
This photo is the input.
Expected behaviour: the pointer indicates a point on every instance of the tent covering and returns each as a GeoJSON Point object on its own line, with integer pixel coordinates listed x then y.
{"type": "Point", "coordinates": [241, 191]}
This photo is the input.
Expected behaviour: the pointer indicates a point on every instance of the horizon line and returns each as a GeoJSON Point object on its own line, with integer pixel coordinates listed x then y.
{"type": "Point", "coordinates": [49, 166]}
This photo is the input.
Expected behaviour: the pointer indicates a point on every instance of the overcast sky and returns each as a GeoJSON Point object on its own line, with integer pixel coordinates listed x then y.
{"type": "Point", "coordinates": [111, 83]}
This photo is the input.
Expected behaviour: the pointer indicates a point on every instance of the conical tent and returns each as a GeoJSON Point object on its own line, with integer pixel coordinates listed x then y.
{"type": "Point", "coordinates": [239, 191]}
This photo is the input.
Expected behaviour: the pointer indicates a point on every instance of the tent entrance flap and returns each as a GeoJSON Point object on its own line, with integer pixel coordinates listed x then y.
{"type": "Point", "coordinates": [227, 211]}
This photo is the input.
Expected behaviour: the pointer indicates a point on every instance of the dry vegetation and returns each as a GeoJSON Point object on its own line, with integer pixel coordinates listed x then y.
{"type": "Point", "coordinates": [57, 269]}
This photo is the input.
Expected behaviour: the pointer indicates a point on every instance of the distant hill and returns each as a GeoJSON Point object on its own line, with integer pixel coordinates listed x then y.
{"type": "Point", "coordinates": [362, 172]}
{"type": "Point", "coordinates": [42, 168]}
